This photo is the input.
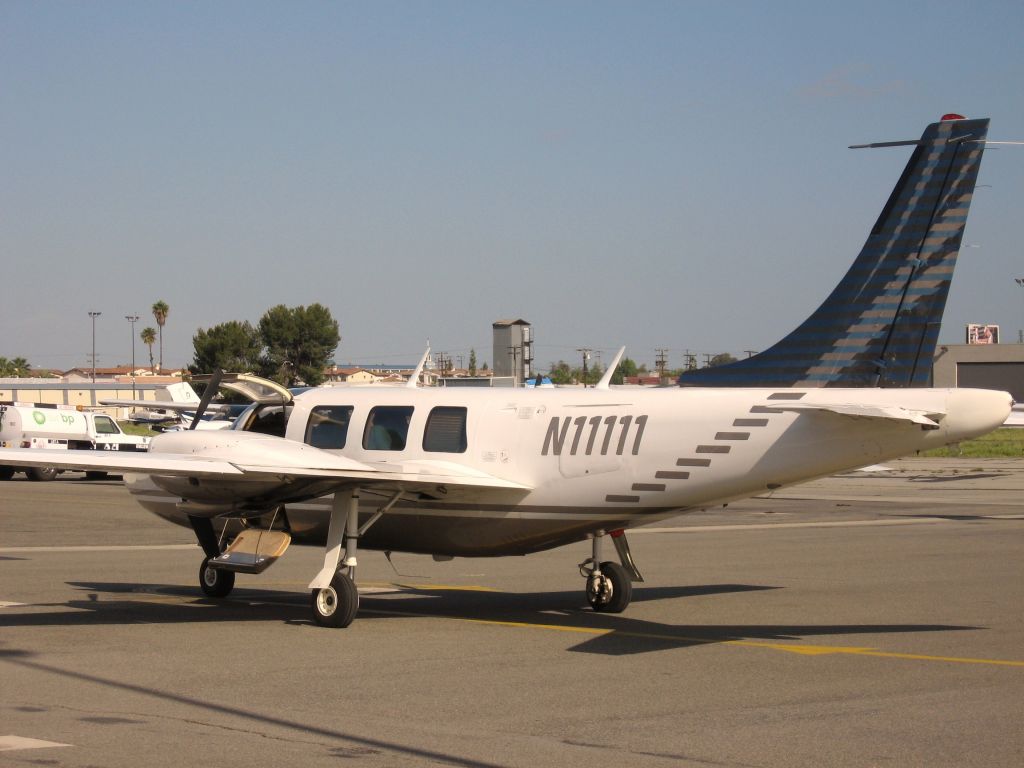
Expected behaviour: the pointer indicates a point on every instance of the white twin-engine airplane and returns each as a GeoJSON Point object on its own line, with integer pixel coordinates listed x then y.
{"type": "Point", "coordinates": [490, 472]}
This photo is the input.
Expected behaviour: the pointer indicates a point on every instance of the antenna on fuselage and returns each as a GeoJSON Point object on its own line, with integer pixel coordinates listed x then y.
{"type": "Point", "coordinates": [415, 378]}
{"type": "Point", "coordinates": [606, 379]}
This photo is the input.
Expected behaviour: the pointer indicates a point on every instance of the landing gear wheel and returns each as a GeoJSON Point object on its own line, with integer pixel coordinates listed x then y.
{"type": "Point", "coordinates": [95, 475]}
{"type": "Point", "coordinates": [215, 582]}
{"type": "Point", "coordinates": [610, 590]}
{"type": "Point", "coordinates": [42, 473]}
{"type": "Point", "coordinates": [6, 473]}
{"type": "Point", "coordinates": [336, 605]}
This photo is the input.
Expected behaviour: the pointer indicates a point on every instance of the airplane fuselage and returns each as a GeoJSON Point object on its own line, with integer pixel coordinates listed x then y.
{"type": "Point", "coordinates": [586, 460]}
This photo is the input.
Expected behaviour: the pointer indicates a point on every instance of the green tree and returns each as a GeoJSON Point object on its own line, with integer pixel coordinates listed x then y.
{"type": "Point", "coordinates": [148, 336]}
{"type": "Point", "coordinates": [160, 312]}
{"type": "Point", "coordinates": [299, 341]}
{"type": "Point", "coordinates": [721, 359]}
{"type": "Point", "coordinates": [18, 368]}
{"type": "Point", "coordinates": [472, 362]}
{"type": "Point", "coordinates": [231, 346]}
{"type": "Point", "coordinates": [561, 373]}
{"type": "Point", "coordinates": [626, 368]}
{"type": "Point", "coordinates": [594, 374]}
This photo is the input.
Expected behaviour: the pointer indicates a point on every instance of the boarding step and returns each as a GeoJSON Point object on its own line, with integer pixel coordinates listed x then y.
{"type": "Point", "coordinates": [252, 551]}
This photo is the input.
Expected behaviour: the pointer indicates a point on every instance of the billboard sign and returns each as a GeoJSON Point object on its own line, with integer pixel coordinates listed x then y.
{"type": "Point", "coordinates": [978, 333]}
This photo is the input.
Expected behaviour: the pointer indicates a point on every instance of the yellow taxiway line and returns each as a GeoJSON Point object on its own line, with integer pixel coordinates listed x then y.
{"type": "Point", "coordinates": [799, 648]}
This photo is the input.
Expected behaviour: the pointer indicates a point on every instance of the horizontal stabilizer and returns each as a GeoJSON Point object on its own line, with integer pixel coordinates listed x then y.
{"type": "Point", "coordinates": [927, 419]}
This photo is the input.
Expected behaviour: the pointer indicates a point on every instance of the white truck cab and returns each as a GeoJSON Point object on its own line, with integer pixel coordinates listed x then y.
{"type": "Point", "coordinates": [51, 427]}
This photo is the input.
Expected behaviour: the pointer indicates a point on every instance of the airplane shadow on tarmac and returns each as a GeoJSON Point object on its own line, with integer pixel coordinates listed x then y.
{"type": "Point", "coordinates": [611, 634]}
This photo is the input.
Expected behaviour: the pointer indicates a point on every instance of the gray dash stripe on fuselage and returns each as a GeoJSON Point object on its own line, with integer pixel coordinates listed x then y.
{"type": "Point", "coordinates": [765, 409]}
{"type": "Point", "coordinates": [666, 474]}
{"type": "Point", "coordinates": [648, 486]}
{"type": "Point", "coordinates": [614, 498]}
{"type": "Point", "coordinates": [693, 462]}
{"type": "Point", "coordinates": [786, 395]}
{"type": "Point", "coordinates": [713, 448]}
{"type": "Point", "coordinates": [732, 436]}
{"type": "Point", "coordinates": [750, 422]}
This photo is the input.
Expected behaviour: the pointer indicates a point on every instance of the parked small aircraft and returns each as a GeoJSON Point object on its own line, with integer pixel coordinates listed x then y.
{"type": "Point", "coordinates": [492, 472]}
{"type": "Point", "coordinates": [488, 472]}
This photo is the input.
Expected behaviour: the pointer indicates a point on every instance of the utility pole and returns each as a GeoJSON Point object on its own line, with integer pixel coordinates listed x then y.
{"type": "Point", "coordinates": [133, 319]}
{"type": "Point", "coordinates": [707, 358]}
{"type": "Point", "coordinates": [585, 351]}
{"type": "Point", "coordinates": [1020, 333]}
{"type": "Point", "coordinates": [660, 360]}
{"type": "Point", "coordinates": [94, 315]}
{"type": "Point", "coordinates": [750, 352]}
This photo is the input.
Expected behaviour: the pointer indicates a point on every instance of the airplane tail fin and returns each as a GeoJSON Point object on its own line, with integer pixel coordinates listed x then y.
{"type": "Point", "coordinates": [880, 324]}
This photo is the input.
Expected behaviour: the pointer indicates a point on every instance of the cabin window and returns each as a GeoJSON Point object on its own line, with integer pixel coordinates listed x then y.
{"type": "Point", "coordinates": [387, 428]}
{"type": "Point", "coordinates": [328, 426]}
{"type": "Point", "coordinates": [446, 430]}
{"type": "Point", "coordinates": [105, 426]}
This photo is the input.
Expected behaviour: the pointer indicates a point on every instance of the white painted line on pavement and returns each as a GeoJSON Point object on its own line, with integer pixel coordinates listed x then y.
{"type": "Point", "coordinates": [101, 548]}
{"type": "Point", "coordinates": [11, 742]}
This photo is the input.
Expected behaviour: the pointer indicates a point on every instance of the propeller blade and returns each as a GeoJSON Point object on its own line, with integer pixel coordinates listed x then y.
{"type": "Point", "coordinates": [208, 394]}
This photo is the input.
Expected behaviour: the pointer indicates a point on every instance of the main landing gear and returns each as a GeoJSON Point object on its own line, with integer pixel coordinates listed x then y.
{"type": "Point", "coordinates": [334, 597]}
{"type": "Point", "coordinates": [610, 585]}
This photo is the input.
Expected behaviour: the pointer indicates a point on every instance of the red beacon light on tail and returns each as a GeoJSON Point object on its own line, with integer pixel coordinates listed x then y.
{"type": "Point", "coordinates": [952, 116]}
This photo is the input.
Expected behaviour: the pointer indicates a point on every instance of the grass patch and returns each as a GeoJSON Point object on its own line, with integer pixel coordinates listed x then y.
{"type": "Point", "coordinates": [136, 429]}
{"type": "Point", "coordinates": [1007, 442]}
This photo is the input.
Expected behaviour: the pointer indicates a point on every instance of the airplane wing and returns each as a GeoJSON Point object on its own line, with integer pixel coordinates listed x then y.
{"type": "Point", "coordinates": [165, 405]}
{"type": "Point", "coordinates": [927, 419]}
{"type": "Point", "coordinates": [261, 459]}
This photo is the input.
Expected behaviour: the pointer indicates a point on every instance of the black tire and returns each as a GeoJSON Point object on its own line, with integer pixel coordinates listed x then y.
{"type": "Point", "coordinates": [215, 582]}
{"type": "Point", "coordinates": [617, 592]}
{"type": "Point", "coordinates": [6, 473]}
{"type": "Point", "coordinates": [336, 605]}
{"type": "Point", "coordinates": [41, 474]}
{"type": "Point", "coordinates": [95, 475]}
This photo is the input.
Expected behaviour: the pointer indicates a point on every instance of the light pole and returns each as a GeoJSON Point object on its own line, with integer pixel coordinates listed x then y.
{"type": "Point", "coordinates": [94, 315]}
{"type": "Point", "coordinates": [1020, 336]}
{"type": "Point", "coordinates": [133, 319]}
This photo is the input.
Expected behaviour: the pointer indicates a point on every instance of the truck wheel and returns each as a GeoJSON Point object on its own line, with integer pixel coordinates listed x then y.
{"type": "Point", "coordinates": [41, 473]}
{"type": "Point", "coordinates": [6, 473]}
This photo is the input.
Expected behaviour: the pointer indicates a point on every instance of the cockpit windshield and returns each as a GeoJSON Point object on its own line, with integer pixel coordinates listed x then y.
{"type": "Point", "coordinates": [264, 419]}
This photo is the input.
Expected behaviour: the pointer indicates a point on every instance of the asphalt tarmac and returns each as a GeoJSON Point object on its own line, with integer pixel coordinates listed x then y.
{"type": "Point", "coordinates": [873, 619]}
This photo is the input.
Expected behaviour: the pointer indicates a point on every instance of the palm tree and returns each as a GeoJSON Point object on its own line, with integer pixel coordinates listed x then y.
{"type": "Point", "coordinates": [148, 336]}
{"type": "Point", "coordinates": [21, 367]}
{"type": "Point", "coordinates": [160, 310]}
{"type": "Point", "coordinates": [14, 369]}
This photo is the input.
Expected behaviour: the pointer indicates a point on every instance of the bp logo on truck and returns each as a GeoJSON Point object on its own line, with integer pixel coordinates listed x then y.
{"type": "Point", "coordinates": [40, 418]}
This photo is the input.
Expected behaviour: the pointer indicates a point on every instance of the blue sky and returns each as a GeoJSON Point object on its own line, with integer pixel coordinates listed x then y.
{"type": "Point", "coordinates": [651, 174]}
